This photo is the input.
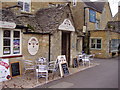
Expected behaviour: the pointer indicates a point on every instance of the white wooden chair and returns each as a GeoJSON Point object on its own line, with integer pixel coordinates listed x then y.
{"type": "Point", "coordinates": [86, 59]}
{"type": "Point", "coordinates": [42, 68]}
{"type": "Point", "coordinates": [29, 65]}
{"type": "Point", "coordinates": [53, 66]}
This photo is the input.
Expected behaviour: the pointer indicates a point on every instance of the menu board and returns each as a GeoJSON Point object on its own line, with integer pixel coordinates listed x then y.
{"type": "Point", "coordinates": [63, 65]}
{"type": "Point", "coordinates": [75, 62]}
{"type": "Point", "coordinates": [4, 70]}
{"type": "Point", "coordinates": [15, 68]}
{"type": "Point", "coordinates": [65, 68]}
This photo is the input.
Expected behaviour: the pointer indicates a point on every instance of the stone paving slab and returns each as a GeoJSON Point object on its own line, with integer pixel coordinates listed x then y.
{"type": "Point", "coordinates": [30, 81]}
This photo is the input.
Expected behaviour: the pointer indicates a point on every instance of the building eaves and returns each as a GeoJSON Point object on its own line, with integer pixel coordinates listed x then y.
{"type": "Point", "coordinates": [98, 6]}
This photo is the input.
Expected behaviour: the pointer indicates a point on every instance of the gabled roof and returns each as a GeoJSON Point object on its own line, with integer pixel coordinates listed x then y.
{"type": "Point", "coordinates": [9, 16]}
{"type": "Point", "coordinates": [98, 6]}
{"type": "Point", "coordinates": [115, 25]}
{"type": "Point", "coordinates": [47, 20]}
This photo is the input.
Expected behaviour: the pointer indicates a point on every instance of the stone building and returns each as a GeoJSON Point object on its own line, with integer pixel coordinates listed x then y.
{"type": "Point", "coordinates": [33, 6]}
{"type": "Point", "coordinates": [51, 29]}
{"type": "Point", "coordinates": [100, 39]}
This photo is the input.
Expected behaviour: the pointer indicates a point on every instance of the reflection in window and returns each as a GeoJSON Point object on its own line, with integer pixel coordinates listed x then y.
{"type": "Point", "coordinates": [25, 5]}
{"type": "Point", "coordinates": [96, 43]}
{"type": "Point", "coordinates": [11, 42]}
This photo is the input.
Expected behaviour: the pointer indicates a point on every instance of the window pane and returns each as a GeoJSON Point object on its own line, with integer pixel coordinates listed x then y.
{"type": "Point", "coordinates": [27, 7]}
{"type": "Point", "coordinates": [16, 46]}
{"type": "Point", "coordinates": [6, 33]}
{"type": "Point", "coordinates": [6, 42]}
{"type": "Point", "coordinates": [99, 46]}
{"type": "Point", "coordinates": [6, 50]}
{"type": "Point", "coordinates": [92, 45]}
{"type": "Point", "coordinates": [92, 40]}
{"type": "Point", "coordinates": [16, 34]}
{"type": "Point", "coordinates": [98, 40]}
{"type": "Point", "coordinates": [21, 4]}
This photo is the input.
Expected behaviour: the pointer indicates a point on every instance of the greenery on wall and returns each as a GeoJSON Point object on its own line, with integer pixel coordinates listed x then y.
{"type": "Point", "coordinates": [86, 43]}
{"type": "Point", "coordinates": [30, 27]}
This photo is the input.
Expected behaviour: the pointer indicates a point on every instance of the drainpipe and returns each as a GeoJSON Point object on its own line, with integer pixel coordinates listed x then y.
{"type": "Point", "coordinates": [83, 45]}
{"type": "Point", "coordinates": [49, 47]}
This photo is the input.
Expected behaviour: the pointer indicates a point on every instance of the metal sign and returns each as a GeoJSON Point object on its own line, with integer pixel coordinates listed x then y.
{"type": "Point", "coordinates": [33, 45]}
{"type": "Point", "coordinates": [4, 70]}
{"type": "Point", "coordinates": [66, 25]}
{"type": "Point", "coordinates": [4, 24]}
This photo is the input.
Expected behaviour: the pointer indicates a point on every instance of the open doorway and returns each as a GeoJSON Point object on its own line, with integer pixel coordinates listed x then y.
{"type": "Point", "coordinates": [66, 45]}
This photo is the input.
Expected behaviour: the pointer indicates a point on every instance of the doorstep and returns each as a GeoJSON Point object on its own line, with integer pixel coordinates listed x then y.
{"type": "Point", "coordinates": [30, 81]}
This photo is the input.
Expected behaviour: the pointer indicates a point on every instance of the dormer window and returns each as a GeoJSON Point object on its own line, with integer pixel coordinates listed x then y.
{"type": "Point", "coordinates": [25, 5]}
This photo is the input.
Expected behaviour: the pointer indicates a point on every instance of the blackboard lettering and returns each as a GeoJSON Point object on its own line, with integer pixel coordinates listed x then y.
{"type": "Point", "coordinates": [75, 62]}
{"type": "Point", "coordinates": [65, 69]}
{"type": "Point", "coordinates": [15, 69]}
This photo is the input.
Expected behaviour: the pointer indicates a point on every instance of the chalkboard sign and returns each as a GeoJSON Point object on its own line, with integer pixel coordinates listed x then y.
{"type": "Point", "coordinates": [15, 69]}
{"type": "Point", "coordinates": [65, 68]}
{"type": "Point", "coordinates": [75, 62]}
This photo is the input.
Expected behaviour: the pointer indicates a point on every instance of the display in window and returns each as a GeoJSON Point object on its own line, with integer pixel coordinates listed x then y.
{"type": "Point", "coordinates": [16, 46]}
{"type": "Point", "coordinates": [6, 50]}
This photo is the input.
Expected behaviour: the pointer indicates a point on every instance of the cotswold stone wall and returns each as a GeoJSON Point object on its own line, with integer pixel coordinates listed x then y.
{"type": "Point", "coordinates": [43, 46]}
{"type": "Point", "coordinates": [73, 51]}
{"type": "Point", "coordinates": [55, 45]}
{"type": "Point", "coordinates": [105, 36]}
{"type": "Point", "coordinates": [56, 42]}
{"type": "Point", "coordinates": [103, 17]}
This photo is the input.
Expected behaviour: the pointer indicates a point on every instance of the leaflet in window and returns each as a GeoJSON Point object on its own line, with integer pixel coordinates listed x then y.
{"type": "Point", "coordinates": [6, 50]}
{"type": "Point", "coordinates": [16, 46]}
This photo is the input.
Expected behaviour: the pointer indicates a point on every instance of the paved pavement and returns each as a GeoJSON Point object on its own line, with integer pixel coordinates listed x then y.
{"type": "Point", "coordinates": [104, 75]}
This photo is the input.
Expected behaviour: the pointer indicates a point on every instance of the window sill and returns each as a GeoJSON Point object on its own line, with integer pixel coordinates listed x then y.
{"type": "Point", "coordinates": [12, 56]}
{"type": "Point", "coordinates": [94, 49]}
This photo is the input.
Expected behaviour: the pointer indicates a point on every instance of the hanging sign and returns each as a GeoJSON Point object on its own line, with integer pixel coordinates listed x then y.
{"type": "Point", "coordinates": [33, 45]}
{"type": "Point", "coordinates": [4, 70]}
{"type": "Point", "coordinates": [66, 25]}
{"type": "Point", "coordinates": [4, 24]}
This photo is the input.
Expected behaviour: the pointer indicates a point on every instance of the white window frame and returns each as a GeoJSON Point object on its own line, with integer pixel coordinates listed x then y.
{"type": "Point", "coordinates": [114, 45]}
{"type": "Point", "coordinates": [26, 1]}
{"type": "Point", "coordinates": [95, 43]}
{"type": "Point", "coordinates": [11, 43]}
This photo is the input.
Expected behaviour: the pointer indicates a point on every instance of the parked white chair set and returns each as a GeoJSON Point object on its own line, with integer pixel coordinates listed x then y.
{"type": "Point", "coordinates": [41, 67]}
{"type": "Point", "coordinates": [85, 59]}
{"type": "Point", "coordinates": [29, 65]}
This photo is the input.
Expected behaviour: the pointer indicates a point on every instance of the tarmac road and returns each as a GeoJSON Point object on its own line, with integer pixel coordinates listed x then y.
{"type": "Point", "coordinates": [104, 75]}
